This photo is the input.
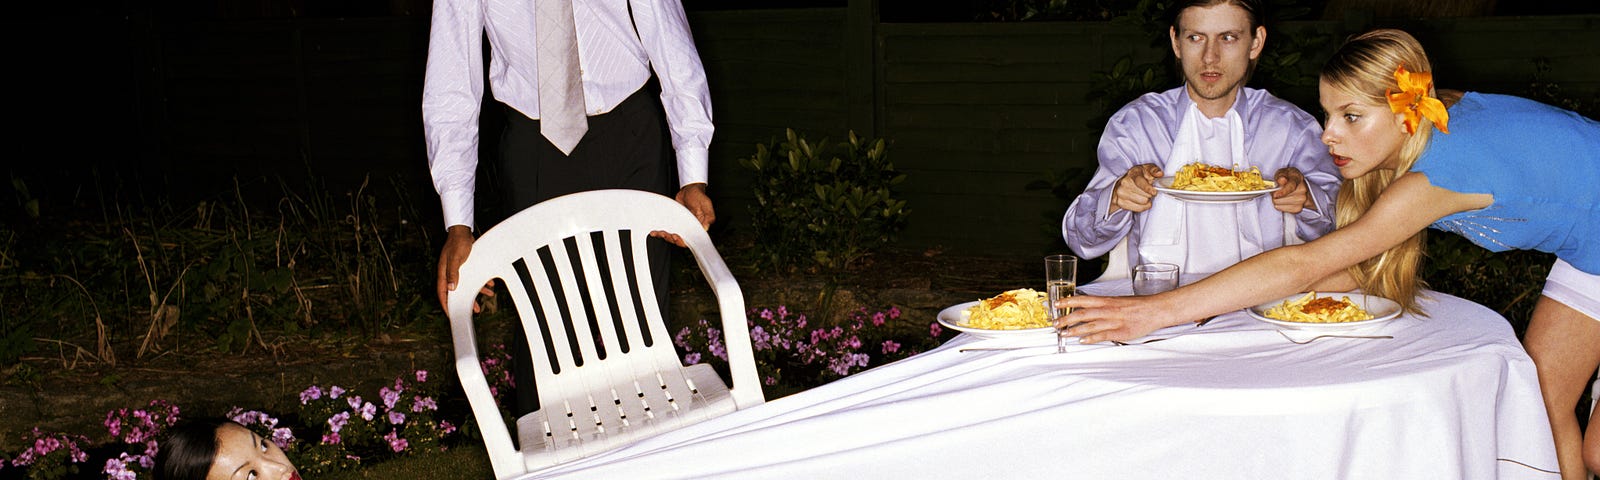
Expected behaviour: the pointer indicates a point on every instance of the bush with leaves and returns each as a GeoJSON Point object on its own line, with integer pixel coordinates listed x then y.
{"type": "Point", "coordinates": [1508, 282]}
{"type": "Point", "coordinates": [797, 352]}
{"type": "Point", "coordinates": [823, 205]}
{"type": "Point", "coordinates": [350, 430]}
{"type": "Point", "coordinates": [49, 456]}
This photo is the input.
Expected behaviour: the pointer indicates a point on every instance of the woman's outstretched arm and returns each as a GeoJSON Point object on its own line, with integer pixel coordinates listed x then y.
{"type": "Point", "coordinates": [1409, 205]}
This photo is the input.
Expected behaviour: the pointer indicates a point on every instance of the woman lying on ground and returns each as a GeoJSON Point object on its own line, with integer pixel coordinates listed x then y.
{"type": "Point", "coordinates": [219, 449]}
{"type": "Point", "coordinates": [1504, 172]}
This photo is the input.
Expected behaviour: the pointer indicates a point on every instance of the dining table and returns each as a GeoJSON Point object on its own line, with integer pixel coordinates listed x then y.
{"type": "Point", "coordinates": [1446, 393]}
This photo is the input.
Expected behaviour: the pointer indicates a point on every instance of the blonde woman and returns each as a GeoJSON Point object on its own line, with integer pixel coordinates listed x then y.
{"type": "Point", "coordinates": [1504, 172]}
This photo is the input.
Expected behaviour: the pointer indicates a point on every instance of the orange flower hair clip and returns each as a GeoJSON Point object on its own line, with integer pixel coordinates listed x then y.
{"type": "Point", "coordinates": [1413, 101]}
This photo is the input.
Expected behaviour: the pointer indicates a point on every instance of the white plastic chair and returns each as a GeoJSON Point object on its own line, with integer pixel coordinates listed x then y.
{"type": "Point", "coordinates": [1117, 259]}
{"type": "Point", "coordinates": [598, 388]}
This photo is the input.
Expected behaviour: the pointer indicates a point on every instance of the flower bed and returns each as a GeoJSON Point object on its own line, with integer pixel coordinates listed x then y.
{"type": "Point", "coordinates": [334, 428]}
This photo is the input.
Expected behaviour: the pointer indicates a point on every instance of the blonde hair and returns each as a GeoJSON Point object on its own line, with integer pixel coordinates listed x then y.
{"type": "Point", "coordinates": [1364, 68]}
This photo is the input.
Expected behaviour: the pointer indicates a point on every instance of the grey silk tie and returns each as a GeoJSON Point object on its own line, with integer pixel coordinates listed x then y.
{"type": "Point", "coordinates": [561, 108]}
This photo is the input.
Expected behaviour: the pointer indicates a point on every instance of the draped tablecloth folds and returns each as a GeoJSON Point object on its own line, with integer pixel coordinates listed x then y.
{"type": "Point", "coordinates": [1451, 396]}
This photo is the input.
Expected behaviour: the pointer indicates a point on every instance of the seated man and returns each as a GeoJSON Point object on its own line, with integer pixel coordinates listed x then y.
{"type": "Point", "coordinates": [1213, 119]}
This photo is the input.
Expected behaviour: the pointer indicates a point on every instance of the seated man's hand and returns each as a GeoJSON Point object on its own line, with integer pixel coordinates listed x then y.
{"type": "Point", "coordinates": [1134, 190]}
{"type": "Point", "coordinates": [1294, 196]}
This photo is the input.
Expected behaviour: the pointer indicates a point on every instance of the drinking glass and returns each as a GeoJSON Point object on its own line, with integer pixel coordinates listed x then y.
{"type": "Point", "coordinates": [1061, 281]}
{"type": "Point", "coordinates": [1153, 278]}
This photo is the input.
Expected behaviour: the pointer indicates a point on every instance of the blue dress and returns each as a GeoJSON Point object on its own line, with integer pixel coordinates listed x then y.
{"type": "Point", "coordinates": [1541, 164]}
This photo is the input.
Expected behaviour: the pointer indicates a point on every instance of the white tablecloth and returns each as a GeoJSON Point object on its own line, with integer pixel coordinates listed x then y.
{"type": "Point", "coordinates": [1451, 396]}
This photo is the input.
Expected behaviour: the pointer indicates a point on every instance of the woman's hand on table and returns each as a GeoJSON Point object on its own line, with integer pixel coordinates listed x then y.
{"type": "Point", "coordinates": [1099, 319]}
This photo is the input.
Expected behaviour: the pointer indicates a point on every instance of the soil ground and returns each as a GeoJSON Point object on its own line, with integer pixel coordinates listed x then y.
{"type": "Point", "coordinates": [68, 392]}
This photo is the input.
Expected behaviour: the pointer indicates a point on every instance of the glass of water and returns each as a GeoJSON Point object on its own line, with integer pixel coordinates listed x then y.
{"type": "Point", "coordinates": [1153, 278]}
{"type": "Point", "coordinates": [1061, 281]}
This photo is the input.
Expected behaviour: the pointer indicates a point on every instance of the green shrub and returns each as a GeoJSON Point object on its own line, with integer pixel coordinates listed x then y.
{"type": "Point", "coordinates": [822, 206]}
{"type": "Point", "coordinates": [1507, 282]}
{"type": "Point", "coordinates": [235, 272]}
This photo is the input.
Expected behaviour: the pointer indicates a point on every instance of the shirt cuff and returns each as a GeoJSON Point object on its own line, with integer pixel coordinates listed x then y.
{"type": "Point", "coordinates": [1316, 202]}
{"type": "Point", "coordinates": [1102, 208]}
{"type": "Point", "coordinates": [458, 208]}
{"type": "Point", "coordinates": [692, 166]}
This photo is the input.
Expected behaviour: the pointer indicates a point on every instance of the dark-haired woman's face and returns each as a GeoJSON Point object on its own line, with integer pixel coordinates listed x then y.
{"type": "Point", "coordinates": [243, 455]}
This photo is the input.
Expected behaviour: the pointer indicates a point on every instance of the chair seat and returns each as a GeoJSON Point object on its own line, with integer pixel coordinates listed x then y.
{"type": "Point", "coordinates": [612, 417]}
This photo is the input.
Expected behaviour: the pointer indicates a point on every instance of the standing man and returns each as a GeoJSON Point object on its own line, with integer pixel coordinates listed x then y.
{"type": "Point", "coordinates": [573, 77]}
{"type": "Point", "coordinates": [1213, 119]}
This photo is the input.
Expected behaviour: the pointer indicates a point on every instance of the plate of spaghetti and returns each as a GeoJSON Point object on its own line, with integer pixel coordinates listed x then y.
{"type": "Point", "coordinates": [1202, 183]}
{"type": "Point", "coordinates": [1326, 312]}
{"type": "Point", "coordinates": [1017, 312]}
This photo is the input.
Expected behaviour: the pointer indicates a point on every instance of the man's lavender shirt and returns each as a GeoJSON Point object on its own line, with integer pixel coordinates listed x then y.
{"type": "Point", "coordinates": [1277, 134]}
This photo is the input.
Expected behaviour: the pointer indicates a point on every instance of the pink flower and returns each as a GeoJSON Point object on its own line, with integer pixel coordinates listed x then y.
{"type": "Point", "coordinates": [760, 338]}
{"type": "Point", "coordinates": [335, 391]}
{"type": "Point", "coordinates": [252, 417]}
{"type": "Point", "coordinates": [894, 312]}
{"type": "Point", "coordinates": [420, 403]}
{"type": "Point", "coordinates": [692, 358]}
{"type": "Point", "coordinates": [718, 350]}
{"type": "Point", "coordinates": [890, 346]}
{"type": "Point", "coordinates": [368, 410]}
{"type": "Point", "coordinates": [446, 427]}
{"type": "Point", "coordinates": [354, 402]}
{"type": "Point", "coordinates": [148, 460]}
{"type": "Point", "coordinates": [114, 421]}
{"type": "Point", "coordinates": [313, 393]}
{"type": "Point", "coordinates": [396, 417]}
{"type": "Point", "coordinates": [283, 437]}
{"type": "Point", "coordinates": [934, 329]}
{"type": "Point", "coordinates": [877, 319]}
{"type": "Point", "coordinates": [395, 442]}
{"type": "Point", "coordinates": [389, 397]}
{"type": "Point", "coordinates": [337, 422]}
{"type": "Point", "coordinates": [331, 439]}
{"type": "Point", "coordinates": [422, 376]}
{"type": "Point", "coordinates": [117, 469]}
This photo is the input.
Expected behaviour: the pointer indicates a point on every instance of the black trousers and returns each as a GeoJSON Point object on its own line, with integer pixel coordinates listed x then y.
{"type": "Point", "coordinates": [627, 147]}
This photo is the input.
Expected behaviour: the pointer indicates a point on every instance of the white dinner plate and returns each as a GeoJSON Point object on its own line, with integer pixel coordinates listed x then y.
{"type": "Point", "coordinates": [1164, 185]}
{"type": "Point", "coordinates": [1381, 309]}
{"type": "Point", "coordinates": [955, 318]}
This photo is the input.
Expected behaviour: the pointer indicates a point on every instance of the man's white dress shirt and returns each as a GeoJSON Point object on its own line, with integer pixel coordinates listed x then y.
{"type": "Point", "coordinates": [617, 53]}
